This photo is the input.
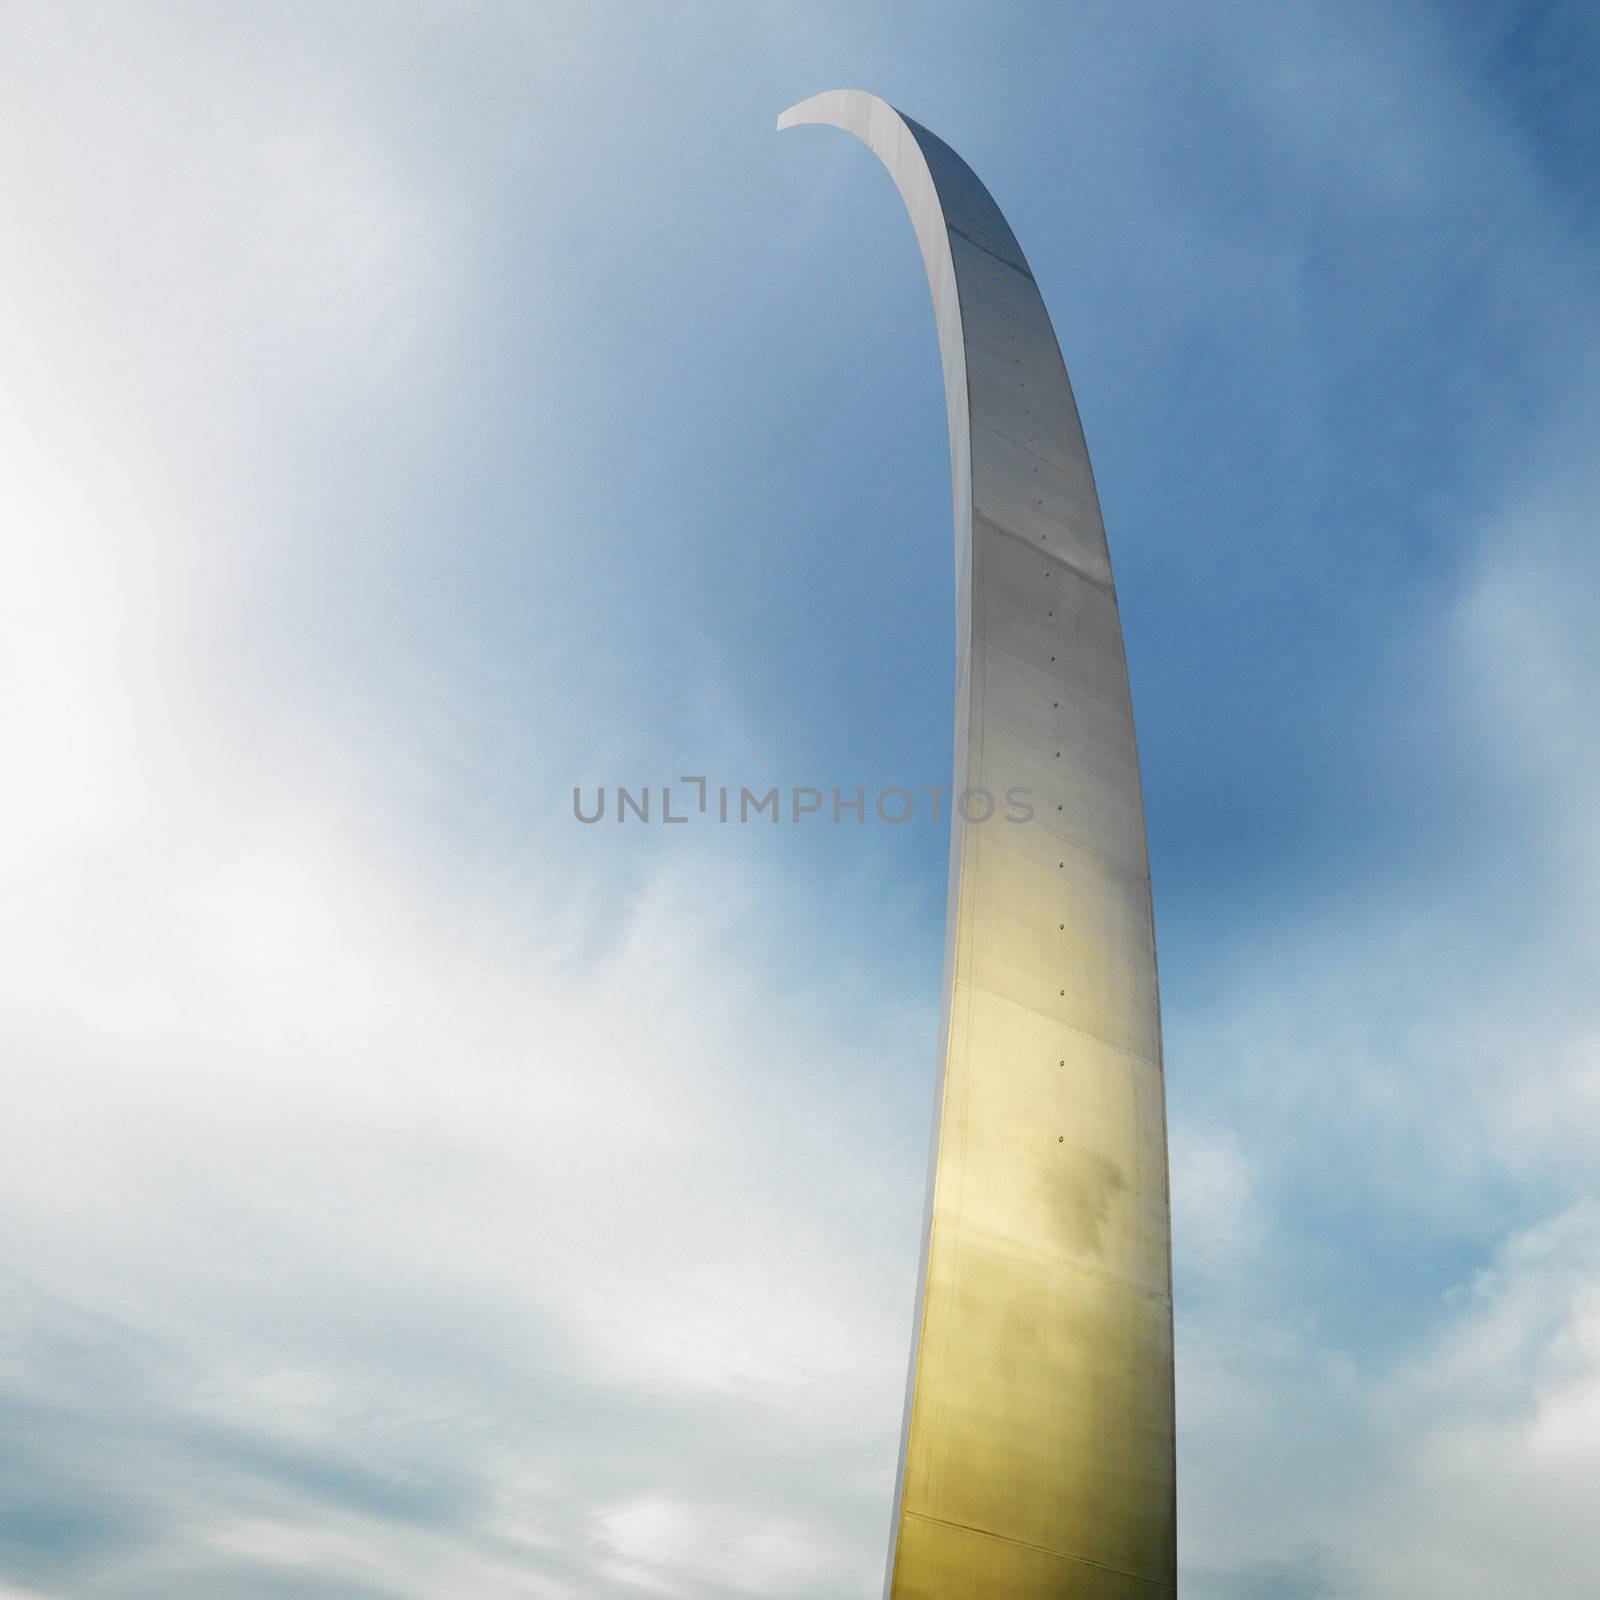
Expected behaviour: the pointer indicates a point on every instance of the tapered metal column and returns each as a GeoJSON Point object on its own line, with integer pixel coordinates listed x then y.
{"type": "Point", "coordinates": [1037, 1457]}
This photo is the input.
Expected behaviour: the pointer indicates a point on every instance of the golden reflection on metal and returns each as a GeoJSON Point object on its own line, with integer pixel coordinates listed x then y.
{"type": "Point", "coordinates": [1037, 1457]}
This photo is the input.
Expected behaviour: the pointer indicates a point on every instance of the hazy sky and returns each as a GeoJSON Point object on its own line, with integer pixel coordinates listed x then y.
{"type": "Point", "coordinates": [414, 410]}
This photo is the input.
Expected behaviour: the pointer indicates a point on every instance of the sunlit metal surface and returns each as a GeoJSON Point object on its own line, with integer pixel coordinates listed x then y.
{"type": "Point", "coordinates": [1037, 1458]}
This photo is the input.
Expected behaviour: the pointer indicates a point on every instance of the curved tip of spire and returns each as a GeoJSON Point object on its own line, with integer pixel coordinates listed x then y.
{"type": "Point", "coordinates": [833, 107]}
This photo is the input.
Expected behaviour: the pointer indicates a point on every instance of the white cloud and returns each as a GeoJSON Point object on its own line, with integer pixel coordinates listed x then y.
{"type": "Point", "coordinates": [377, 1224]}
{"type": "Point", "coordinates": [1442, 1058]}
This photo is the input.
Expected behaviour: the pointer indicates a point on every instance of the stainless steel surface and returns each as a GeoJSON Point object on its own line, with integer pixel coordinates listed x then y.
{"type": "Point", "coordinates": [1037, 1458]}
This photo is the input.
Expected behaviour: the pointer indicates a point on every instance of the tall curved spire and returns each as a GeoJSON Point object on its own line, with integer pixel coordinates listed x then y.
{"type": "Point", "coordinates": [1036, 1461]}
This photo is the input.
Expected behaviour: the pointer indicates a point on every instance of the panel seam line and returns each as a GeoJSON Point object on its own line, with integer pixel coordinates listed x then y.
{"type": "Point", "coordinates": [1066, 472]}
{"type": "Point", "coordinates": [988, 250]}
{"type": "Point", "coordinates": [1159, 1296]}
{"type": "Point", "coordinates": [1082, 1033]}
{"type": "Point", "coordinates": [1045, 1550]}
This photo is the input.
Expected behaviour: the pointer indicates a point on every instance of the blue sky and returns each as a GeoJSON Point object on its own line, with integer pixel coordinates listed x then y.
{"type": "Point", "coordinates": [416, 410]}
